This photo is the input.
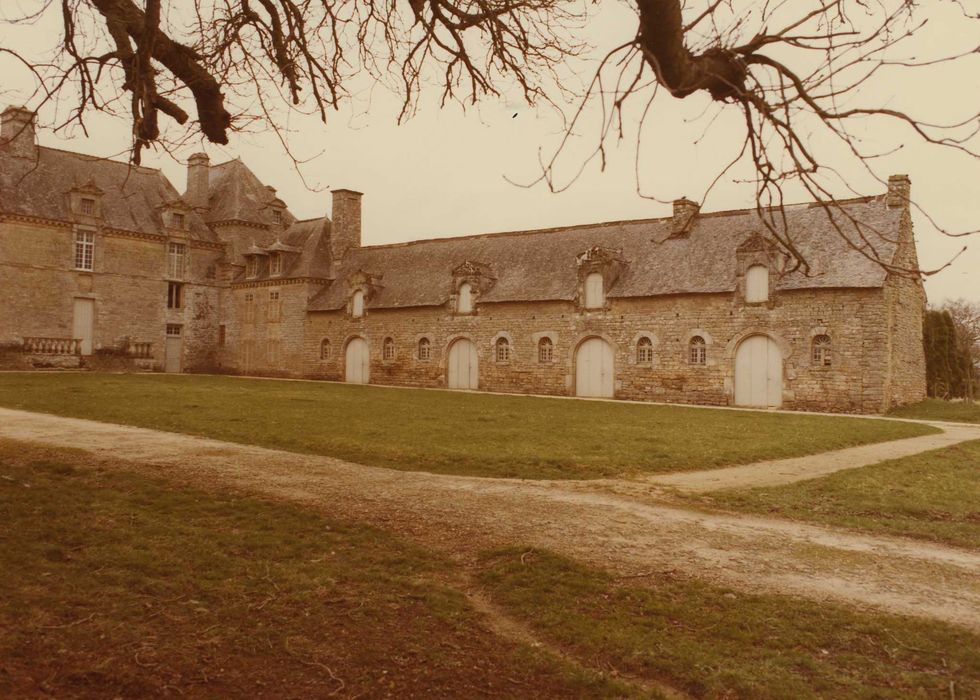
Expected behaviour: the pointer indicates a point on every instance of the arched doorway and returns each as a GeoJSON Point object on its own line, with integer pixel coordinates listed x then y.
{"type": "Point", "coordinates": [463, 365]}
{"type": "Point", "coordinates": [594, 372]}
{"type": "Point", "coordinates": [357, 362]}
{"type": "Point", "coordinates": [759, 373]}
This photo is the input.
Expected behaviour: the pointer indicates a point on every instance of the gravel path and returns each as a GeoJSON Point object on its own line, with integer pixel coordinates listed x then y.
{"type": "Point", "coordinates": [463, 515]}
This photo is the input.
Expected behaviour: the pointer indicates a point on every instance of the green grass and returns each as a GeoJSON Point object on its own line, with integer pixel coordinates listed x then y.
{"type": "Point", "coordinates": [934, 495]}
{"type": "Point", "coordinates": [442, 431]}
{"type": "Point", "coordinates": [118, 585]}
{"type": "Point", "coordinates": [937, 409]}
{"type": "Point", "coordinates": [713, 643]}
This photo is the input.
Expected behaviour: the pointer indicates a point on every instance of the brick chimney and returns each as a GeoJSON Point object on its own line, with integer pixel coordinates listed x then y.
{"type": "Point", "coordinates": [198, 173]}
{"type": "Point", "coordinates": [684, 212]}
{"type": "Point", "coordinates": [17, 132]}
{"type": "Point", "coordinates": [899, 190]}
{"type": "Point", "coordinates": [345, 227]}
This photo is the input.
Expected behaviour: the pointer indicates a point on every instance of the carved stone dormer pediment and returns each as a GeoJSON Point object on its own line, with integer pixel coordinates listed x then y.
{"type": "Point", "coordinates": [480, 276]}
{"type": "Point", "coordinates": [367, 282]}
{"type": "Point", "coordinates": [758, 249]}
{"type": "Point", "coordinates": [85, 202]}
{"type": "Point", "coordinates": [175, 215]}
{"type": "Point", "coordinates": [607, 261]}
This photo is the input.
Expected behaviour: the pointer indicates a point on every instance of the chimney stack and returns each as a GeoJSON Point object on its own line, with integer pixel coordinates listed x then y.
{"type": "Point", "coordinates": [17, 132]}
{"type": "Point", "coordinates": [345, 227]}
{"type": "Point", "coordinates": [684, 212]}
{"type": "Point", "coordinates": [198, 174]}
{"type": "Point", "coordinates": [899, 190]}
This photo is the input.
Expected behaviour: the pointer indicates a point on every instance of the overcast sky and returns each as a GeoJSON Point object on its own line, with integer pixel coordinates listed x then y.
{"type": "Point", "coordinates": [445, 172]}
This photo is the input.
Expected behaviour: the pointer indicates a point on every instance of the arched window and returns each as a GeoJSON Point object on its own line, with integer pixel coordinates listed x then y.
{"type": "Point", "coordinates": [821, 350]}
{"type": "Point", "coordinates": [697, 351]}
{"type": "Point", "coordinates": [757, 284]}
{"type": "Point", "coordinates": [503, 350]}
{"type": "Point", "coordinates": [595, 297]}
{"type": "Point", "coordinates": [464, 301]}
{"type": "Point", "coordinates": [644, 351]}
{"type": "Point", "coordinates": [388, 349]}
{"type": "Point", "coordinates": [546, 350]}
{"type": "Point", "coordinates": [325, 349]}
{"type": "Point", "coordinates": [425, 349]}
{"type": "Point", "coordinates": [357, 304]}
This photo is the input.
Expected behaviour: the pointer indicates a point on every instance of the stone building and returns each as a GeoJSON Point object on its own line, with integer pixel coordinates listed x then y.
{"type": "Point", "coordinates": [103, 264]}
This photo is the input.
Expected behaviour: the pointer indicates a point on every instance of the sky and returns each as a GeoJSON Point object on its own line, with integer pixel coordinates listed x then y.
{"type": "Point", "coordinates": [454, 171]}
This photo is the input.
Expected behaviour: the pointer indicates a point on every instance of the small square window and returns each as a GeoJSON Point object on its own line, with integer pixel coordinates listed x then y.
{"type": "Point", "coordinates": [173, 329]}
{"type": "Point", "coordinates": [177, 220]}
{"type": "Point", "coordinates": [87, 206]}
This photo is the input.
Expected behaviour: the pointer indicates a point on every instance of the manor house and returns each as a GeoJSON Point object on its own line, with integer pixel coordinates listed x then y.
{"type": "Point", "coordinates": [107, 265]}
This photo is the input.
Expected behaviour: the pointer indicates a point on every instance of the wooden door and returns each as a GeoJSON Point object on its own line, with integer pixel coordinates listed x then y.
{"type": "Point", "coordinates": [171, 362]}
{"type": "Point", "coordinates": [357, 362]}
{"type": "Point", "coordinates": [463, 365]}
{"type": "Point", "coordinates": [758, 373]}
{"type": "Point", "coordinates": [594, 369]}
{"type": "Point", "coordinates": [83, 323]}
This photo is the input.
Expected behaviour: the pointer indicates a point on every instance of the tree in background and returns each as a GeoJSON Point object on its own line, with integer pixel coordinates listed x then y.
{"type": "Point", "coordinates": [949, 347]}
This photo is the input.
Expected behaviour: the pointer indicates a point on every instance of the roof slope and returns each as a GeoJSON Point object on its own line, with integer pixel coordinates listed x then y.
{"type": "Point", "coordinates": [236, 194]}
{"type": "Point", "coordinates": [131, 195]}
{"type": "Point", "coordinates": [541, 265]}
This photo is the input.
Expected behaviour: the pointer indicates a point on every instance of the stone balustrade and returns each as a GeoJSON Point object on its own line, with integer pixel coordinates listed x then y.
{"type": "Point", "coordinates": [53, 346]}
{"type": "Point", "coordinates": [141, 350]}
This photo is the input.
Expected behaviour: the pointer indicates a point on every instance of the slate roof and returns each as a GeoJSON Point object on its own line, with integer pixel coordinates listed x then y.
{"type": "Point", "coordinates": [236, 194]}
{"type": "Point", "coordinates": [131, 195]}
{"type": "Point", "coordinates": [541, 265]}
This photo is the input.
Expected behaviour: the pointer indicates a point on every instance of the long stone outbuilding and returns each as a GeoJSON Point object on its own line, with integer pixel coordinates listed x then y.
{"type": "Point", "coordinates": [106, 265]}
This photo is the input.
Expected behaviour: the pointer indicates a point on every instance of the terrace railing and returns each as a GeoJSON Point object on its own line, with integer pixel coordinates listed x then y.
{"type": "Point", "coordinates": [53, 346]}
{"type": "Point", "coordinates": [141, 350]}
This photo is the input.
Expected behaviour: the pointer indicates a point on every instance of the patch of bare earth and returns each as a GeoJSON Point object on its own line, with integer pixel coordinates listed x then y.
{"type": "Point", "coordinates": [627, 532]}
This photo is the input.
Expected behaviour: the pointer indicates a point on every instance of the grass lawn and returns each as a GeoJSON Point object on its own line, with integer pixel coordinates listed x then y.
{"type": "Point", "coordinates": [712, 643]}
{"type": "Point", "coordinates": [937, 409]}
{"type": "Point", "coordinates": [443, 431]}
{"type": "Point", "coordinates": [934, 495]}
{"type": "Point", "coordinates": [116, 584]}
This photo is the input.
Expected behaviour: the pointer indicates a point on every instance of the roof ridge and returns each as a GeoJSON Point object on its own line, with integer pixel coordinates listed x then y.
{"type": "Point", "coordinates": [104, 159]}
{"type": "Point", "coordinates": [605, 224]}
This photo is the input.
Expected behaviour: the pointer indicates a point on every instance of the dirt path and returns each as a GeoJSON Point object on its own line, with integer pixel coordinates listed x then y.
{"type": "Point", "coordinates": [462, 515]}
{"type": "Point", "coordinates": [787, 471]}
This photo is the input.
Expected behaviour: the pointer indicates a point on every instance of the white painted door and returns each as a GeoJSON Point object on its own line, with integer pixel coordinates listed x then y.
{"type": "Point", "coordinates": [594, 372]}
{"type": "Point", "coordinates": [758, 373]}
{"type": "Point", "coordinates": [83, 323]}
{"type": "Point", "coordinates": [357, 362]}
{"type": "Point", "coordinates": [171, 361]}
{"type": "Point", "coordinates": [464, 366]}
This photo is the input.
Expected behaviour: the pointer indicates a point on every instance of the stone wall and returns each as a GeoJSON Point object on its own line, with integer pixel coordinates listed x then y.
{"type": "Point", "coordinates": [852, 318]}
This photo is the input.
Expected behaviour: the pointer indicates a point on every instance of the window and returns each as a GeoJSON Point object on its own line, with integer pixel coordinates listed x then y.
{"type": "Point", "coordinates": [546, 350]}
{"type": "Point", "coordinates": [595, 297]}
{"type": "Point", "coordinates": [87, 206]}
{"type": "Point", "coordinates": [275, 264]}
{"type": "Point", "coordinates": [274, 310]}
{"type": "Point", "coordinates": [821, 351]}
{"type": "Point", "coordinates": [503, 350]}
{"type": "Point", "coordinates": [757, 284]}
{"type": "Point", "coordinates": [173, 329]}
{"type": "Point", "coordinates": [84, 249]}
{"type": "Point", "coordinates": [252, 266]}
{"type": "Point", "coordinates": [464, 302]}
{"type": "Point", "coordinates": [698, 351]}
{"type": "Point", "coordinates": [644, 351]}
{"type": "Point", "coordinates": [277, 217]}
{"type": "Point", "coordinates": [221, 335]}
{"type": "Point", "coordinates": [249, 308]}
{"type": "Point", "coordinates": [177, 220]}
{"type": "Point", "coordinates": [425, 349]}
{"type": "Point", "coordinates": [174, 294]}
{"type": "Point", "coordinates": [357, 304]}
{"type": "Point", "coordinates": [176, 254]}
{"type": "Point", "coordinates": [325, 349]}
{"type": "Point", "coordinates": [272, 351]}
{"type": "Point", "coordinates": [388, 349]}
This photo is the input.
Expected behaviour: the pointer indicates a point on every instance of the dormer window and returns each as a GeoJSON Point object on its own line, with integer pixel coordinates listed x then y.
{"type": "Point", "coordinates": [177, 220]}
{"type": "Point", "coordinates": [87, 206]}
{"type": "Point", "coordinates": [275, 264]}
{"type": "Point", "coordinates": [357, 304]}
{"type": "Point", "coordinates": [595, 296]}
{"type": "Point", "coordinates": [277, 217]}
{"type": "Point", "coordinates": [251, 266]}
{"type": "Point", "coordinates": [757, 284]}
{"type": "Point", "coordinates": [464, 302]}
